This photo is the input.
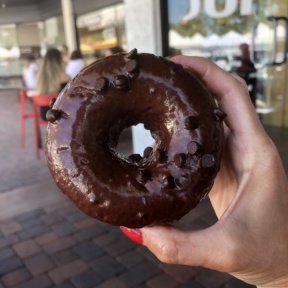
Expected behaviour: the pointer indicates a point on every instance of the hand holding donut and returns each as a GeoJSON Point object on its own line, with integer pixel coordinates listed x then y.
{"type": "Point", "coordinates": [117, 92]}
{"type": "Point", "coordinates": [249, 196]}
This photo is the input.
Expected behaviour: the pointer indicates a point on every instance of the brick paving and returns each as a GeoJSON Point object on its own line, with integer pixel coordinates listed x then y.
{"type": "Point", "coordinates": [104, 257]}
{"type": "Point", "coordinates": [21, 160]}
{"type": "Point", "coordinates": [59, 246]}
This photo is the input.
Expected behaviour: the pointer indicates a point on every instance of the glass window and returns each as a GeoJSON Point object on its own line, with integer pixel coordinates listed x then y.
{"type": "Point", "coordinates": [54, 33]}
{"type": "Point", "coordinates": [245, 37]}
{"type": "Point", "coordinates": [10, 66]}
{"type": "Point", "coordinates": [100, 30]}
{"type": "Point", "coordinates": [17, 43]}
{"type": "Point", "coordinates": [8, 42]}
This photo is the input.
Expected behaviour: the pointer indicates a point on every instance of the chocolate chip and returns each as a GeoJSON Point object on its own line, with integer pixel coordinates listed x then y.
{"type": "Point", "coordinates": [121, 82]}
{"type": "Point", "coordinates": [144, 176]}
{"type": "Point", "coordinates": [207, 161]}
{"type": "Point", "coordinates": [131, 66]}
{"type": "Point", "coordinates": [52, 102]}
{"type": "Point", "coordinates": [169, 181]}
{"type": "Point", "coordinates": [180, 159]}
{"type": "Point", "coordinates": [146, 126]}
{"type": "Point", "coordinates": [193, 147]}
{"type": "Point", "coordinates": [135, 157]}
{"type": "Point", "coordinates": [52, 115]}
{"type": "Point", "coordinates": [191, 123]}
{"type": "Point", "coordinates": [132, 54]}
{"type": "Point", "coordinates": [176, 68]}
{"type": "Point", "coordinates": [160, 156]}
{"type": "Point", "coordinates": [147, 152]}
{"type": "Point", "coordinates": [101, 84]}
{"type": "Point", "coordinates": [64, 114]}
{"type": "Point", "coordinates": [219, 115]}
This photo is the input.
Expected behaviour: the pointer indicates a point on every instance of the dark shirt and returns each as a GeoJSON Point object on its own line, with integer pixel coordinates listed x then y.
{"type": "Point", "coordinates": [44, 109]}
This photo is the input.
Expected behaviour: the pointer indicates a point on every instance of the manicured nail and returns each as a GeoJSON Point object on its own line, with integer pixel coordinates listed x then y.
{"type": "Point", "coordinates": [133, 234]}
{"type": "Point", "coordinates": [170, 56]}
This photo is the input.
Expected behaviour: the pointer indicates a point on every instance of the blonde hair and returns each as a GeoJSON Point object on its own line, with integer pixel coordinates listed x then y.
{"type": "Point", "coordinates": [49, 76]}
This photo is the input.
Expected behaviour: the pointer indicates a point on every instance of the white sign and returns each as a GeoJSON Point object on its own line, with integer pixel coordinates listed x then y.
{"type": "Point", "coordinates": [209, 7]}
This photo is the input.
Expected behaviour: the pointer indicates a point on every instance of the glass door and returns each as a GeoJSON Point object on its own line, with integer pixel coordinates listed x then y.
{"type": "Point", "coordinates": [245, 37]}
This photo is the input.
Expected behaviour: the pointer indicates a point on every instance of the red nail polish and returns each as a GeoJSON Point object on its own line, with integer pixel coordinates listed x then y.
{"type": "Point", "coordinates": [133, 234]}
{"type": "Point", "coordinates": [170, 56]}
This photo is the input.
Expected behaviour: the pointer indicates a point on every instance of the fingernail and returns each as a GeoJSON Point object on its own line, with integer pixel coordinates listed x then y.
{"type": "Point", "coordinates": [133, 234]}
{"type": "Point", "coordinates": [171, 56]}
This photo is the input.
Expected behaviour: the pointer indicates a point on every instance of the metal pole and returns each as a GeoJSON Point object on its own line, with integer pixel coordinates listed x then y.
{"type": "Point", "coordinates": [69, 24]}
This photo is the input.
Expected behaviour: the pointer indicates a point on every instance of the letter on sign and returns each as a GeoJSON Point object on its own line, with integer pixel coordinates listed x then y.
{"type": "Point", "coordinates": [229, 9]}
{"type": "Point", "coordinates": [194, 10]}
{"type": "Point", "coordinates": [211, 10]}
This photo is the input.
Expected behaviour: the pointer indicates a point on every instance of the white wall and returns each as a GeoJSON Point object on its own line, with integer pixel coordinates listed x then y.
{"type": "Point", "coordinates": [28, 35]}
{"type": "Point", "coordinates": [143, 25]}
{"type": "Point", "coordinates": [143, 31]}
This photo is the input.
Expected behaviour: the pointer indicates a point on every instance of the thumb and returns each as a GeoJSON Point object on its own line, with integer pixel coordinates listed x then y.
{"type": "Point", "coordinates": [206, 248]}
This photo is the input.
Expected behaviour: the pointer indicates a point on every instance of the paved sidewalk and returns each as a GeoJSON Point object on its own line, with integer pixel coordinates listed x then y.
{"type": "Point", "coordinates": [58, 246]}
{"type": "Point", "coordinates": [18, 167]}
{"type": "Point", "coordinates": [45, 241]}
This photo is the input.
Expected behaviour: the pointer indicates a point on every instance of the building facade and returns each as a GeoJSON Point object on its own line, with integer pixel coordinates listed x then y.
{"type": "Point", "coordinates": [225, 31]}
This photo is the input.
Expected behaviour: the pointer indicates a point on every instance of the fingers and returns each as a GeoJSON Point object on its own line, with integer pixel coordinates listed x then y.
{"type": "Point", "coordinates": [196, 248]}
{"type": "Point", "coordinates": [208, 248]}
{"type": "Point", "coordinates": [230, 92]}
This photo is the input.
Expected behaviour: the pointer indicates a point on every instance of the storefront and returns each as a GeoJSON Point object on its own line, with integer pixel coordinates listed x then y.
{"type": "Point", "coordinates": [232, 32]}
{"type": "Point", "coordinates": [19, 41]}
{"type": "Point", "coordinates": [220, 30]}
{"type": "Point", "coordinates": [42, 27]}
{"type": "Point", "coordinates": [101, 29]}
{"type": "Point", "coordinates": [8, 49]}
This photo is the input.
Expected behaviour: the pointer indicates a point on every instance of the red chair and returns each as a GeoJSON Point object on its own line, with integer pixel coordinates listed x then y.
{"type": "Point", "coordinates": [23, 115]}
{"type": "Point", "coordinates": [40, 100]}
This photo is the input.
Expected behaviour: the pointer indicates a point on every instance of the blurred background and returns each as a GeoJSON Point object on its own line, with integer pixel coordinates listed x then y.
{"type": "Point", "coordinates": [44, 240]}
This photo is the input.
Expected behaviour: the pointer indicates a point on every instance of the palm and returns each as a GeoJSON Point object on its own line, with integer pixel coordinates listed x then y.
{"type": "Point", "coordinates": [241, 206]}
{"type": "Point", "coordinates": [225, 186]}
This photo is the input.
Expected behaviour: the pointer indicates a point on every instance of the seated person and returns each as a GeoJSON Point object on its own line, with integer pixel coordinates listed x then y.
{"type": "Point", "coordinates": [51, 77]}
{"type": "Point", "coordinates": [75, 64]}
{"type": "Point", "coordinates": [30, 72]}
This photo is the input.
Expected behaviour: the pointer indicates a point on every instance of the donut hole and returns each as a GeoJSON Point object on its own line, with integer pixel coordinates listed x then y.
{"type": "Point", "coordinates": [125, 145]}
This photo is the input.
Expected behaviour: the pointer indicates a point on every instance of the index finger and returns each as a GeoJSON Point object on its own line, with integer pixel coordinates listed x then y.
{"type": "Point", "coordinates": [232, 95]}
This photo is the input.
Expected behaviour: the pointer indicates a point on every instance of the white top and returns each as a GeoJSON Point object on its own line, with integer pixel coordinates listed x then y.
{"type": "Point", "coordinates": [74, 67]}
{"type": "Point", "coordinates": [30, 76]}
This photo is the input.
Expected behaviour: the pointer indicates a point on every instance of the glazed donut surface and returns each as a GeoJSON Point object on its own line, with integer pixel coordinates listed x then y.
{"type": "Point", "coordinates": [117, 92]}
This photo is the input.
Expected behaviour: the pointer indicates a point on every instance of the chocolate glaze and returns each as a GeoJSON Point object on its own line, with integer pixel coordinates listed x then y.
{"type": "Point", "coordinates": [81, 148]}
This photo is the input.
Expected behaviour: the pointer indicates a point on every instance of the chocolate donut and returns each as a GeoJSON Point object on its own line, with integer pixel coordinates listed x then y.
{"type": "Point", "coordinates": [114, 93]}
